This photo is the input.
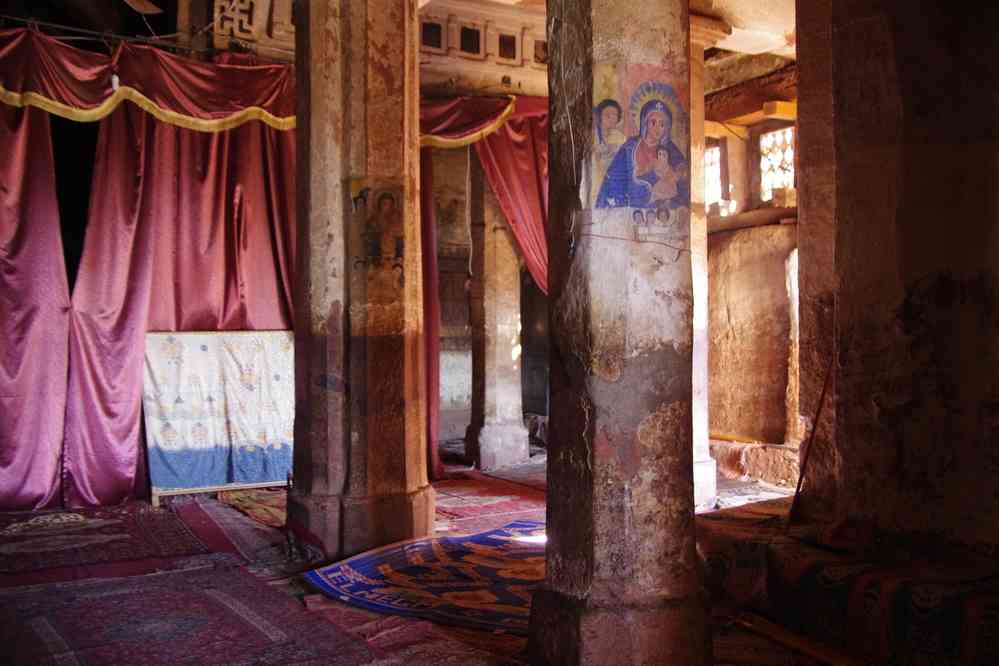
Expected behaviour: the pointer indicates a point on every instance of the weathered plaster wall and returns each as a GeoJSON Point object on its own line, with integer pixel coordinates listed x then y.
{"type": "Point", "coordinates": [454, 245]}
{"type": "Point", "coordinates": [917, 202]}
{"type": "Point", "coordinates": [749, 325]}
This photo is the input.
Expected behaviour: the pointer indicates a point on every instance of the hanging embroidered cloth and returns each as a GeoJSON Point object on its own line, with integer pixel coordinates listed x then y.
{"type": "Point", "coordinates": [219, 408]}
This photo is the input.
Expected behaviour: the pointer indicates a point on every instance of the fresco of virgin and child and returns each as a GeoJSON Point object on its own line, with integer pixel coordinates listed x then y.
{"type": "Point", "coordinates": [648, 170]}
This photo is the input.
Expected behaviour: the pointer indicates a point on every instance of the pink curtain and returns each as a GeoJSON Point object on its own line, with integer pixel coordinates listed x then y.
{"type": "Point", "coordinates": [34, 320]}
{"type": "Point", "coordinates": [515, 161]}
{"type": "Point", "coordinates": [187, 231]}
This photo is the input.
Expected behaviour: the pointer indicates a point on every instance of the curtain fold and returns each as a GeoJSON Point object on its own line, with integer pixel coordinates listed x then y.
{"type": "Point", "coordinates": [191, 227]}
{"type": "Point", "coordinates": [515, 161]}
{"type": "Point", "coordinates": [431, 311]}
{"type": "Point", "coordinates": [455, 122]}
{"type": "Point", "coordinates": [34, 319]}
{"type": "Point", "coordinates": [187, 231]}
{"type": "Point", "coordinates": [38, 70]}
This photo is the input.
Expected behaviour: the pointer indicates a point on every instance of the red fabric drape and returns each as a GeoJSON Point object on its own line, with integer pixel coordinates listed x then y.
{"type": "Point", "coordinates": [431, 311]}
{"type": "Point", "coordinates": [187, 231]}
{"type": "Point", "coordinates": [454, 118]}
{"type": "Point", "coordinates": [459, 117]}
{"type": "Point", "coordinates": [515, 161]}
{"type": "Point", "coordinates": [34, 320]}
{"type": "Point", "coordinates": [31, 62]}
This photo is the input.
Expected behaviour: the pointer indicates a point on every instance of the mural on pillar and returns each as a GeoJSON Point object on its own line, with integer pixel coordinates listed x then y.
{"type": "Point", "coordinates": [376, 239]}
{"type": "Point", "coordinates": [638, 160]}
{"type": "Point", "coordinates": [380, 213]}
{"type": "Point", "coordinates": [383, 229]}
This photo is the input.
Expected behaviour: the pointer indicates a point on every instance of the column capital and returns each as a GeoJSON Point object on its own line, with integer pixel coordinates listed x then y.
{"type": "Point", "coordinates": [705, 31]}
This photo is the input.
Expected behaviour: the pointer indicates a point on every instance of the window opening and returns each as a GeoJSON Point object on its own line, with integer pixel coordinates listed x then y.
{"type": "Point", "coordinates": [776, 161]}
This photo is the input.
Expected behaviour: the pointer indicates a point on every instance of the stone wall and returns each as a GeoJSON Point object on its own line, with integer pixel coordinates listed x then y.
{"type": "Point", "coordinates": [453, 246]}
{"type": "Point", "coordinates": [749, 324]}
{"type": "Point", "coordinates": [916, 256]}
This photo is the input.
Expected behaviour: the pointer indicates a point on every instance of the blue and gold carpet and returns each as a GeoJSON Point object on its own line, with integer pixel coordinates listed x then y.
{"type": "Point", "coordinates": [481, 581]}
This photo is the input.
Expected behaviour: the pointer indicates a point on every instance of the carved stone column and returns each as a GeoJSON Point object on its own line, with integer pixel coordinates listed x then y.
{"type": "Point", "coordinates": [360, 456]}
{"type": "Point", "coordinates": [623, 584]}
{"type": "Point", "coordinates": [496, 436]}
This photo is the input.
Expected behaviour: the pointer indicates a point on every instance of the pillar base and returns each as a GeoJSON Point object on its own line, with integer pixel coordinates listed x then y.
{"type": "Point", "coordinates": [501, 445]}
{"type": "Point", "coordinates": [567, 630]}
{"type": "Point", "coordinates": [316, 519]}
{"type": "Point", "coordinates": [705, 483]}
{"type": "Point", "coordinates": [346, 525]}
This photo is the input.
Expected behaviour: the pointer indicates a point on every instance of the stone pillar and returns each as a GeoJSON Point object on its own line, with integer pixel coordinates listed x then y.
{"type": "Point", "coordinates": [704, 33]}
{"type": "Point", "coordinates": [496, 436]}
{"type": "Point", "coordinates": [360, 440]}
{"type": "Point", "coordinates": [816, 163]}
{"type": "Point", "coordinates": [622, 583]}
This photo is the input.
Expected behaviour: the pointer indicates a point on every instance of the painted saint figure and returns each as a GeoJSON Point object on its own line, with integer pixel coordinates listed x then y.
{"type": "Point", "coordinates": [383, 230]}
{"type": "Point", "coordinates": [648, 170]}
{"type": "Point", "coordinates": [607, 119]}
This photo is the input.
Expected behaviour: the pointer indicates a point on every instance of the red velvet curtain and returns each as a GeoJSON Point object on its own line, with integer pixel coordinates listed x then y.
{"type": "Point", "coordinates": [447, 123]}
{"type": "Point", "coordinates": [187, 231]}
{"type": "Point", "coordinates": [82, 85]}
{"type": "Point", "coordinates": [459, 119]}
{"type": "Point", "coordinates": [515, 161]}
{"type": "Point", "coordinates": [34, 319]}
{"type": "Point", "coordinates": [431, 311]}
{"type": "Point", "coordinates": [513, 148]}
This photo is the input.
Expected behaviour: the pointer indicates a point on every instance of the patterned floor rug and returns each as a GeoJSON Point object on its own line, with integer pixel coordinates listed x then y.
{"type": "Point", "coordinates": [533, 473]}
{"type": "Point", "coordinates": [472, 497]}
{"type": "Point", "coordinates": [50, 539]}
{"type": "Point", "coordinates": [481, 581]}
{"type": "Point", "coordinates": [268, 552]}
{"type": "Point", "coordinates": [205, 617]}
{"type": "Point", "coordinates": [265, 505]}
{"type": "Point", "coordinates": [476, 524]}
{"type": "Point", "coordinates": [408, 641]}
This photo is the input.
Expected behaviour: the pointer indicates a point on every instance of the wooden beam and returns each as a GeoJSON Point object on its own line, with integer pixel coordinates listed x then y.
{"type": "Point", "coordinates": [749, 97]}
{"type": "Point", "coordinates": [723, 131]}
{"type": "Point", "coordinates": [774, 110]}
{"type": "Point", "coordinates": [781, 110]}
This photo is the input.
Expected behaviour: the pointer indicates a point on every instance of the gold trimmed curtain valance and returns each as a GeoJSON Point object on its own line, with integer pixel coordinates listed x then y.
{"type": "Point", "coordinates": [456, 122]}
{"type": "Point", "coordinates": [40, 71]}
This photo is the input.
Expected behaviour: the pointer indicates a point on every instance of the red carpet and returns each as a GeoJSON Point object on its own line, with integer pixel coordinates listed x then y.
{"type": "Point", "coordinates": [84, 537]}
{"type": "Point", "coordinates": [205, 617]}
{"type": "Point", "coordinates": [410, 641]}
{"type": "Point", "coordinates": [472, 497]}
{"type": "Point", "coordinates": [267, 506]}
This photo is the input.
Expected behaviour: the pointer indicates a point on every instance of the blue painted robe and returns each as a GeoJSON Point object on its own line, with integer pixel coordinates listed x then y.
{"type": "Point", "coordinates": [621, 189]}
